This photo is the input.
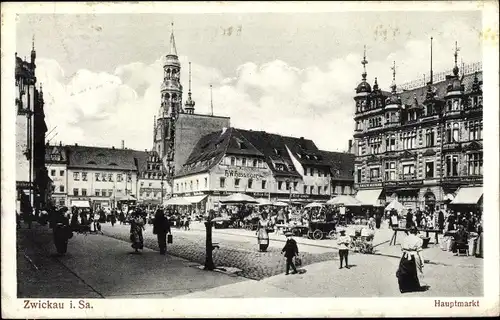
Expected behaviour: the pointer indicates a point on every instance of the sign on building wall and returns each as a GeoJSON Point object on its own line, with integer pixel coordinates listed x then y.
{"type": "Point", "coordinates": [242, 172]}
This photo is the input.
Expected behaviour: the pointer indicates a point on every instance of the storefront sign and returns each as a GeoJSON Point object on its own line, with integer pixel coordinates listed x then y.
{"type": "Point", "coordinates": [370, 185]}
{"type": "Point", "coordinates": [24, 185]}
{"type": "Point", "coordinates": [468, 179]}
{"type": "Point", "coordinates": [405, 183]}
{"type": "Point", "coordinates": [243, 174]}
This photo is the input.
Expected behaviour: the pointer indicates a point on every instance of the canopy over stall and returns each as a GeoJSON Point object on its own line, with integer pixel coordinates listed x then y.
{"type": "Point", "coordinates": [177, 201]}
{"type": "Point", "coordinates": [80, 204]}
{"type": "Point", "coordinates": [468, 195]}
{"type": "Point", "coordinates": [264, 202]}
{"type": "Point", "coordinates": [238, 198]}
{"type": "Point", "coordinates": [196, 199]}
{"type": "Point", "coordinates": [396, 205]}
{"type": "Point", "coordinates": [314, 205]}
{"type": "Point", "coordinates": [344, 200]}
{"type": "Point", "coordinates": [280, 204]}
{"type": "Point", "coordinates": [369, 197]}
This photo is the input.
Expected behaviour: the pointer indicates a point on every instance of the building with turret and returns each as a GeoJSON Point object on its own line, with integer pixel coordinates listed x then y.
{"type": "Point", "coordinates": [422, 145]}
{"type": "Point", "coordinates": [32, 182]}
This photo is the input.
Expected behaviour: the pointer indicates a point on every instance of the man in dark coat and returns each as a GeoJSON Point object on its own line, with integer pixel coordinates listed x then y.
{"type": "Point", "coordinates": [291, 250]}
{"type": "Point", "coordinates": [161, 227]}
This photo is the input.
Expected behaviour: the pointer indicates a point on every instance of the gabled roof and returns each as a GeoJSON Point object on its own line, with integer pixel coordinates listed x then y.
{"type": "Point", "coordinates": [211, 148]}
{"type": "Point", "coordinates": [407, 96]}
{"type": "Point", "coordinates": [341, 164]}
{"type": "Point", "coordinates": [104, 158]}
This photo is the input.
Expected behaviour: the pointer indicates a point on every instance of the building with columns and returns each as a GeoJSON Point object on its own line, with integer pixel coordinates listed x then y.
{"type": "Point", "coordinates": [422, 145]}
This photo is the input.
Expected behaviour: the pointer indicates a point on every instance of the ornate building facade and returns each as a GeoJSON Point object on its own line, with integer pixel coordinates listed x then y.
{"type": "Point", "coordinates": [32, 182]}
{"type": "Point", "coordinates": [419, 146]}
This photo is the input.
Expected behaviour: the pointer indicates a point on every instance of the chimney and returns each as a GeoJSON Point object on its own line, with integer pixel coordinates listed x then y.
{"type": "Point", "coordinates": [349, 146]}
{"type": "Point", "coordinates": [123, 144]}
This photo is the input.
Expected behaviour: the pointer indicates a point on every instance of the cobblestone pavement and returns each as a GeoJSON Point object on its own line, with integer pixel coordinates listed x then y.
{"type": "Point", "coordinates": [242, 254]}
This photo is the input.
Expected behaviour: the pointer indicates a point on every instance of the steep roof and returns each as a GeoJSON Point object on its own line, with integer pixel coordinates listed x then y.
{"type": "Point", "coordinates": [407, 96]}
{"type": "Point", "coordinates": [211, 148]}
{"type": "Point", "coordinates": [105, 158]}
{"type": "Point", "coordinates": [341, 164]}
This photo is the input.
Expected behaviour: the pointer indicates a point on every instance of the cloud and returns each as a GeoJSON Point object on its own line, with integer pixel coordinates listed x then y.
{"type": "Point", "coordinates": [97, 108]}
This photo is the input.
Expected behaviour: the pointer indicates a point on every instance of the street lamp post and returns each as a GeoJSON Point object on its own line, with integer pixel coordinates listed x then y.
{"type": "Point", "coordinates": [209, 261]}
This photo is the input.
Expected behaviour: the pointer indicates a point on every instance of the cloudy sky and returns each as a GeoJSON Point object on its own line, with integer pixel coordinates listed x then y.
{"type": "Point", "coordinates": [284, 73]}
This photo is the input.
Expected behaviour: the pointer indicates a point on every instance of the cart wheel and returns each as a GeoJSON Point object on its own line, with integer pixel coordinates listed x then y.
{"type": "Point", "coordinates": [296, 232]}
{"type": "Point", "coordinates": [317, 234]}
{"type": "Point", "coordinates": [332, 234]}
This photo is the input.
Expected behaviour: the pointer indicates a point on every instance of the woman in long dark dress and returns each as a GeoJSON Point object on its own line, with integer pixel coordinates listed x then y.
{"type": "Point", "coordinates": [136, 227]}
{"type": "Point", "coordinates": [411, 263]}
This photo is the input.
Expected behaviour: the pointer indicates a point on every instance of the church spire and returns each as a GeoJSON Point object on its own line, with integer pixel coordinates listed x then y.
{"type": "Point", "coordinates": [33, 52]}
{"type": "Point", "coordinates": [173, 48]}
{"type": "Point", "coordinates": [189, 105]}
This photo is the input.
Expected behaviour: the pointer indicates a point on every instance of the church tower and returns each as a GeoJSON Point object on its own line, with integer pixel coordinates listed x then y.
{"type": "Point", "coordinates": [170, 108]}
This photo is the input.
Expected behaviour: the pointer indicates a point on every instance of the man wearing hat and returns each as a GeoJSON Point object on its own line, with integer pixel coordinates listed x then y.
{"type": "Point", "coordinates": [291, 250]}
{"type": "Point", "coordinates": [343, 242]}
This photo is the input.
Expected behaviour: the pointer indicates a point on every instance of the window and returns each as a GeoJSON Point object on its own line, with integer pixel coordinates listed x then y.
{"type": "Point", "coordinates": [97, 177]}
{"type": "Point", "coordinates": [110, 192]}
{"type": "Point", "coordinates": [390, 171]}
{"type": "Point", "coordinates": [52, 172]}
{"type": "Point", "coordinates": [295, 183]}
{"type": "Point", "coordinates": [222, 182]}
{"type": "Point", "coordinates": [237, 182]}
{"type": "Point", "coordinates": [374, 173]}
{"type": "Point", "coordinates": [325, 188]}
{"type": "Point", "coordinates": [305, 189]}
{"type": "Point", "coordinates": [475, 129]}
{"type": "Point", "coordinates": [408, 170]}
{"type": "Point", "coordinates": [233, 161]}
{"type": "Point", "coordinates": [475, 164]}
{"type": "Point", "coordinates": [280, 183]}
{"type": "Point", "coordinates": [342, 190]}
{"type": "Point", "coordinates": [451, 165]}
{"type": "Point", "coordinates": [75, 191]}
{"type": "Point", "coordinates": [76, 176]}
{"type": "Point", "coordinates": [110, 177]}
{"type": "Point", "coordinates": [263, 184]}
{"type": "Point", "coordinates": [409, 140]}
{"type": "Point", "coordinates": [456, 132]}
{"type": "Point", "coordinates": [358, 175]}
{"type": "Point", "coordinates": [103, 177]}
{"type": "Point", "coordinates": [319, 189]}
{"type": "Point", "coordinates": [84, 176]}
{"type": "Point", "coordinates": [97, 192]}
{"type": "Point", "coordinates": [197, 184]}
{"type": "Point", "coordinates": [176, 187]}
{"type": "Point", "coordinates": [429, 138]}
{"type": "Point", "coordinates": [61, 188]}
{"type": "Point", "coordinates": [312, 189]}
{"type": "Point", "coordinates": [255, 163]}
{"type": "Point", "coordinates": [374, 145]}
{"type": "Point", "coordinates": [129, 177]}
{"type": "Point", "coordinates": [261, 164]}
{"type": "Point", "coordinates": [206, 182]}
{"type": "Point", "coordinates": [360, 150]}
{"type": "Point", "coordinates": [287, 185]}
{"type": "Point", "coordinates": [119, 177]}
{"type": "Point", "coordinates": [429, 169]}
{"type": "Point", "coordinates": [250, 183]}
{"type": "Point", "coordinates": [244, 162]}
{"type": "Point", "coordinates": [104, 192]}
{"type": "Point", "coordinates": [390, 143]}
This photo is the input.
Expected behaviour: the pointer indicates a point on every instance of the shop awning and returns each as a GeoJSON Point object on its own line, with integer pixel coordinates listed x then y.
{"type": "Point", "coordinates": [80, 204]}
{"type": "Point", "coordinates": [369, 197]}
{"type": "Point", "coordinates": [469, 195]}
{"type": "Point", "coordinates": [196, 199]}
